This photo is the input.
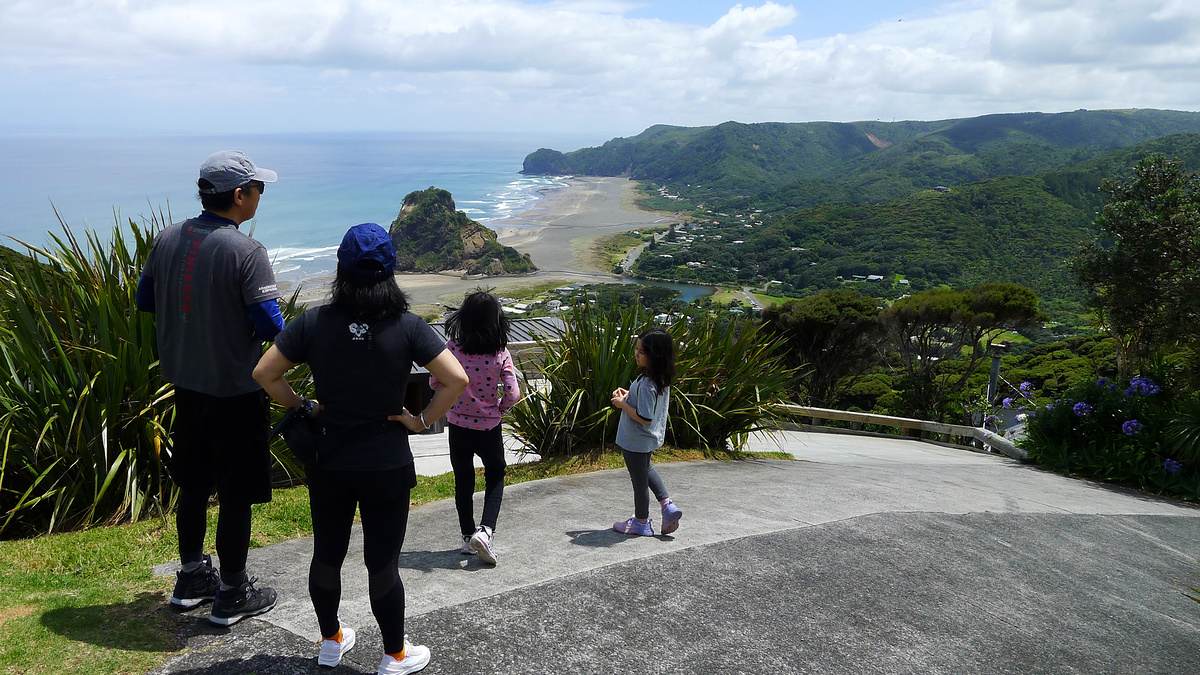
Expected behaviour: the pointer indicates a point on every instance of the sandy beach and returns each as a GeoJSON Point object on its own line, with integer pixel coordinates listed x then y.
{"type": "Point", "coordinates": [556, 233]}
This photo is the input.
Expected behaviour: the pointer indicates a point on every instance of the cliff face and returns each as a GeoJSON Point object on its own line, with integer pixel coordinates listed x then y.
{"type": "Point", "coordinates": [431, 236]}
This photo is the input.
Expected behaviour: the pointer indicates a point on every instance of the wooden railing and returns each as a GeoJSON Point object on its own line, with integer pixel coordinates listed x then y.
{"type": "Point", "coordinates": [912, 427]}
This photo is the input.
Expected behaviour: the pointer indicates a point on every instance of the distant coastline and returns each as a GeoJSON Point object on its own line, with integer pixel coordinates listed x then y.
{"type": "Point", "coordinates": [556, 231]}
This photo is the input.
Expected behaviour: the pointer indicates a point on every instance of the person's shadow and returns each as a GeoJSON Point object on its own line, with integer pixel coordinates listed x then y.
{"type": "Point", "coordinates": [267, 664]}
{"type": "Point", "coordinates": [450, 559]}
{"type": "Point", "coordinates": [135, 625]}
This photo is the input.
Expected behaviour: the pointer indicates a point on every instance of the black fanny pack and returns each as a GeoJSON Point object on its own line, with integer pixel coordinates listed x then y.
{"type": "Point", "coordinates": [312, 443]}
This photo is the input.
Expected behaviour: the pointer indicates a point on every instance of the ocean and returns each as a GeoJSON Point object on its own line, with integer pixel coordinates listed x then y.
{"type": "Point", "coordinates": [327, 182]}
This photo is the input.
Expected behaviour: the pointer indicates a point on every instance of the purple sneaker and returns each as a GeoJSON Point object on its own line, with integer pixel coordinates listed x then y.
{"type": "Point", "coordinates": [632, 526]}
{"type": "Point", "coordinates": [670, 517]}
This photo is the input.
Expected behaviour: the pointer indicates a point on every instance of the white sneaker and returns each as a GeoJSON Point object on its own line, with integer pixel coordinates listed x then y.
{"type": "Point", "coordinates": [481, 541]}
{"type": "Point", "coordinates": [466, 549]}
{"type": "Point", "coordinates": [416, 657]}
{"type": "Point", "coordinates": [332, 651]}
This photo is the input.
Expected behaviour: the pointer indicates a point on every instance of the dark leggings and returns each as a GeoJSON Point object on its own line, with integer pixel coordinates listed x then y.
{"type": "Point", "coordinates": [645, 479]}
{"type": "Point", "coordinates": [382, 501]}
{"type": "Point", "coordinates": [489, 445]}
{"type": "Point", "coordinates": [233, 533]}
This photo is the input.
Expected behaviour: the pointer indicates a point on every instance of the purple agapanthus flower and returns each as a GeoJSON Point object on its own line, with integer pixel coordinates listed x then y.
{"type": "Point", "coordinates": [1143, 386]}
{"type": "Point", "coordinates": [1081, 409]}
{"type": "Point", "coordinates": [1102, 382]}
{"type": "Point", "coordinates": [1131, 427]}
{"type": "Point", "coordinates": [1172, 466]}
{"type": "Point", "coordinates": [1026, 387]}
{"type": "Point", "coordinates": [1049, 406]}
{"type": "Point", "coordinates": [991, 419]}
{"type": "Point", "coordinates": [1008, 402]}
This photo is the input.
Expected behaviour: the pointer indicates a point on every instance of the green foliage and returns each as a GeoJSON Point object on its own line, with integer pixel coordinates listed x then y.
{"type": "Point", "coordinates": [84, 410]}
{"type": "Point", "coordinates": [431, 236]}
{"type": "Point", "coordinates": [1182, 433]}
{"type": "Point", "coordinates": [1113, 431]}
{"type": "Point", "coordinates": [729, 378]}
{"type": "Point", "coordinates": [941, 336]}
{"type": "Point", "coordinates": [85, 414]}
{"type": "Point", "coordinates": [834, 337]}
{"type": "Point", "coordinates": [1144, 267]}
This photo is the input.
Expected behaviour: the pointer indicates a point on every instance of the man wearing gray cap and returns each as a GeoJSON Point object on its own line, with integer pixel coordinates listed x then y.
{"type": "Point", "coordinates": [214, 296]}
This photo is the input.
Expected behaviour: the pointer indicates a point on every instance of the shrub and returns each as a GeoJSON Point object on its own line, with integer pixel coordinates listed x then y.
{"type": "Point", "coordinates": [84, 413]}
{"type": "Point", "coordinates": [1113, 431]}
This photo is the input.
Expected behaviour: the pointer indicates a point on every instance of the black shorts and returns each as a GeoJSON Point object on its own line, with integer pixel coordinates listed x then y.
{"type": "Point", "coordinates": [223, 443]}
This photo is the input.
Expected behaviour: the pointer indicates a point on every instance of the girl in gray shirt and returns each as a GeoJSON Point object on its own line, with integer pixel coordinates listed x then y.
{"type": "Point", "coordinates": [642, 428]}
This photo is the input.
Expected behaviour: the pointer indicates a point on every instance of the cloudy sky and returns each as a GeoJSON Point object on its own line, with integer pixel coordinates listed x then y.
{"type": "Point", "coordinates": [607, 67]}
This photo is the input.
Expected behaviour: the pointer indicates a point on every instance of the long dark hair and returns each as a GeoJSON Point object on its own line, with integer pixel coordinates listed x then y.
{"type": "Point", "coordinates": [479, 326]}
{"type": "Point", "coordinates": [659, 348]}
{"type": "Point", "coordinates": [363, 297]}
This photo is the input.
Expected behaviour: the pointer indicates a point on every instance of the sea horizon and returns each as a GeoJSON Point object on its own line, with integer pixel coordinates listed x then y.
{"type": "Point", "coordinates": [327, 183]}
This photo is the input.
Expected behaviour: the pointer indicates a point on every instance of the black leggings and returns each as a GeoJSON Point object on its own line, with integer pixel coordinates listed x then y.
{"type": "Point", "coordinates": [489, 445]}
{"type": "Point", "coordinates": [382, 501]}
{"type": "Point", "coordinates": [644, 477]}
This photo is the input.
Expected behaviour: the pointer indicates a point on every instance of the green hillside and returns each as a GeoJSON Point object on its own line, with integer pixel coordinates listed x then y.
{"type": "Point", "coordinates": [785, 166]}
{"type": "Point", "coordinates": [1013, 228]}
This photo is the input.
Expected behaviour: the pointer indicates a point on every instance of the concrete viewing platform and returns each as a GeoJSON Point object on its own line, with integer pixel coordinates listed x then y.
{"type": "Point", "coordinates": [867, 555]}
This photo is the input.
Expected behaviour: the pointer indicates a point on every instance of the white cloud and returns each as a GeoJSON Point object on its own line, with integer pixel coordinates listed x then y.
{"type": "Point", "coordinates": [578, 62]}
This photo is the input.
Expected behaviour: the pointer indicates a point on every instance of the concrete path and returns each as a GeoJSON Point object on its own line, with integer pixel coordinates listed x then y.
{"type": "Point", "coordinates": [870, 555]}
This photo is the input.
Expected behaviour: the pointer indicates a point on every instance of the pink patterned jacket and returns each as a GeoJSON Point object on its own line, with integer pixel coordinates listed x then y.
{"type": "Point", "coordinates": [493, 389]}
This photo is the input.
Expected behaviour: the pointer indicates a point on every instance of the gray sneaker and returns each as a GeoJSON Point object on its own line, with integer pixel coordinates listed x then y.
{"type": "Point", "coordinates": [195, 587]}
{"type": "Point", "coordinates": [237, 603]}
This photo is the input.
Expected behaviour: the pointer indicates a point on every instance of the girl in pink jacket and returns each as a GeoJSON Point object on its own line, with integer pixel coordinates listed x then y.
{"type": "Point", "coordinates": [478, 338]}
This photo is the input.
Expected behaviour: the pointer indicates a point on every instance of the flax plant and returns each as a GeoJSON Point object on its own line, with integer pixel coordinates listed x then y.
{"type": "Point", "coordinates": [730, 381]}
{"type": "Point", "coordinates": [84, 413]}
{"type": "Point", "coordinates": [570, 409]}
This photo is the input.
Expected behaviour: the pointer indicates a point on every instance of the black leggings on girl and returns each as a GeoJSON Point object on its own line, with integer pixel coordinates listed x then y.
{"type": "Point", "coordinates": [489, 445]}
{"type": "Point", "coordinates": [382, 501]}
{"type": "Point", "coordinates": [644, 477]}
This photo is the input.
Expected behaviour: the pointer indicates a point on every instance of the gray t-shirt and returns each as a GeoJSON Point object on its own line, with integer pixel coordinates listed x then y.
{"type": "Point", "coordinates": [635, 436]}
{"type": "Point", "coordinates": [205, 273]}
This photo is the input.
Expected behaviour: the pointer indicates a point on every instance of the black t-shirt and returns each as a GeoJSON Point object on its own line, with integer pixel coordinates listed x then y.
{"type": "Point", "coordinates": [360, 370]}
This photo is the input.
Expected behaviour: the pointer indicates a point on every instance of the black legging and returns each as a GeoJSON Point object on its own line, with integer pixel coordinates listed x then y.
{"type": "Point", "coordinates": [382, 501]}
{"type": "Point", "coordinates": [489, 445]}
{"type": "Point", "coordinates": [233, 532]}
{"type": "Point", "coordinates": [644, 477]}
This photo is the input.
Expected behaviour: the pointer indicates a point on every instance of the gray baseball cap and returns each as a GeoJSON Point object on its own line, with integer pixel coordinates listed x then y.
{"type": "Point", "coordinates": [231, 169]}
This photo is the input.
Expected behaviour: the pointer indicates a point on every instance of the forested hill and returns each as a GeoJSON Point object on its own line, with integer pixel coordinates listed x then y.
{"type": "Point", "coordinates": [1014, 228]}
{"type": "Point", "coordinates": [787, 166]}
{"type": "Point", "coordinates": [430, 235]}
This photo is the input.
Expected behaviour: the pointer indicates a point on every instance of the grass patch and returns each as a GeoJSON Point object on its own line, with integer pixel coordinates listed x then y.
{"type": "Point", "coordinates": [87, 601]}
{"type": "Point", "coordinates": [606, 251]}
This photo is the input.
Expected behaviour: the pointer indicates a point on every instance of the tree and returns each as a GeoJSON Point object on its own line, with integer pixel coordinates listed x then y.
{"type": "Point", "coordinates": [833, 337]}
{"type": "Point", "coordinates": [941, 336]}
{"type": "Point", "coordinates": [1144, 265]}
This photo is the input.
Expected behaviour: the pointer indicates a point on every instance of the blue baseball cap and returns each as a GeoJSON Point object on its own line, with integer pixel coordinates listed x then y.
{"type": "Point", "coordinates": [229, 169]}
{"type": "Point", "coordinates": [367, 251]}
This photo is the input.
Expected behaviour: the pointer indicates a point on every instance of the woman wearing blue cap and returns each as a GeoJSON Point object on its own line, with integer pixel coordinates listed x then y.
{"type": "Point", "coordinates": [360, 348]}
